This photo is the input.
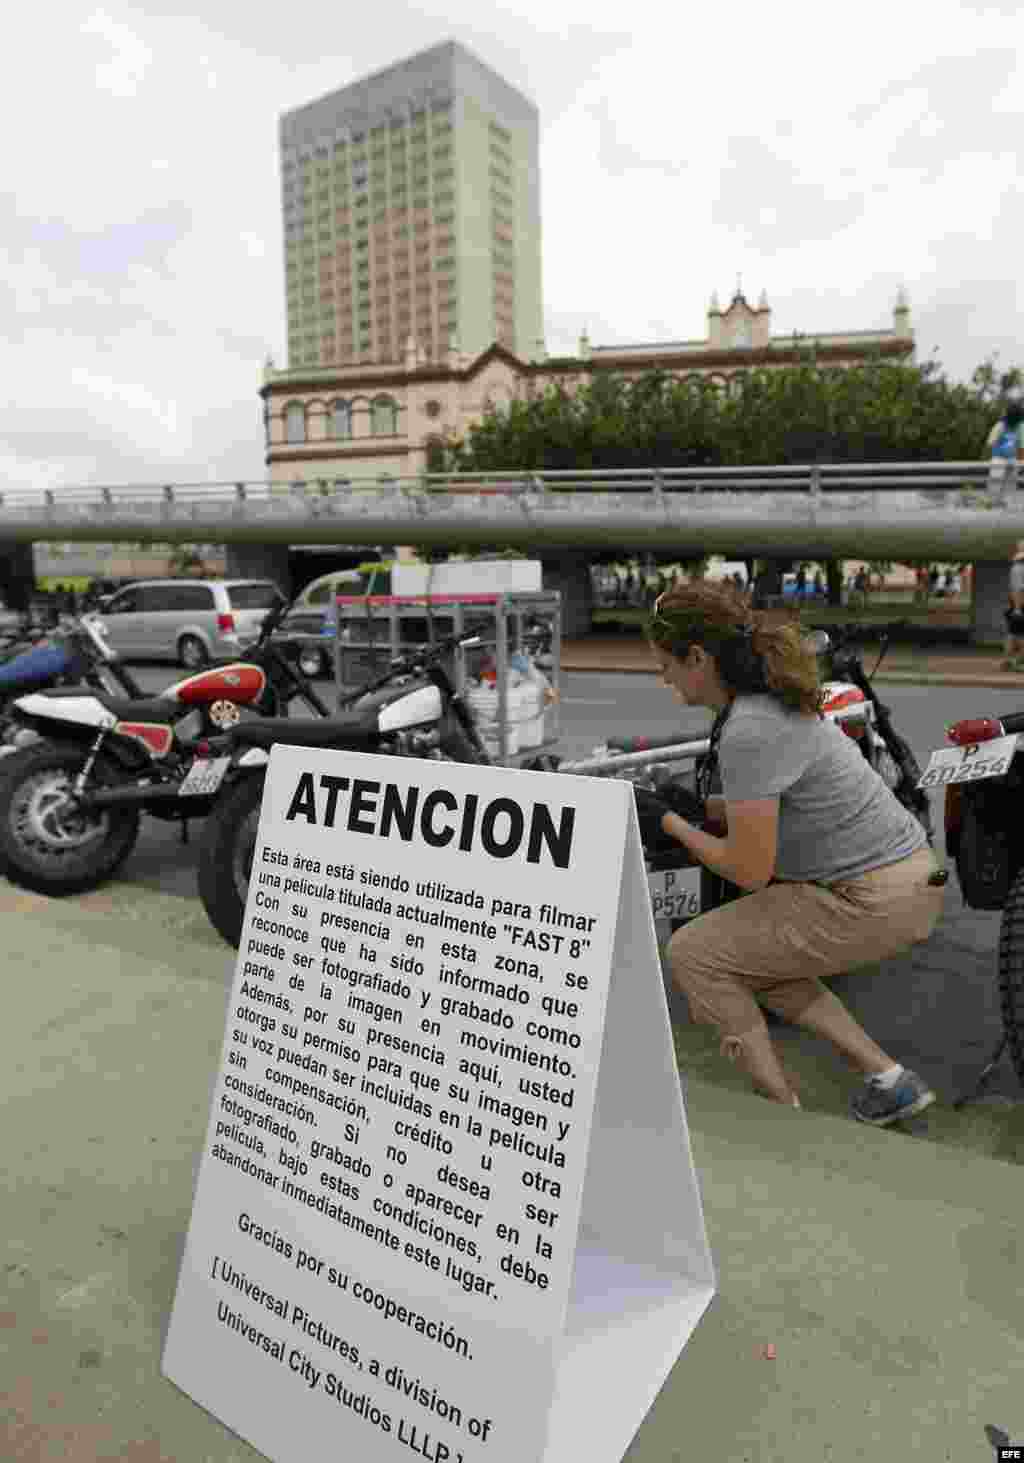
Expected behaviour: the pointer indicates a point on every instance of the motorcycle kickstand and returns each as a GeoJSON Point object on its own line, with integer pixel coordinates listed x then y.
{"type": "Point", "coordinates": [984, 1079]}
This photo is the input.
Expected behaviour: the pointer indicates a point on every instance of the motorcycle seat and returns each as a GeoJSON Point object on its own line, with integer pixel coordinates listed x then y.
{"type": "Point", "coordinates": [342, 732]}
{"type": "Point", "coordinates": [154, 708]}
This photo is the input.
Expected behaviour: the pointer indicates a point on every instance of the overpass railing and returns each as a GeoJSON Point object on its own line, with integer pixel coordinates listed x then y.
{"type": "Point", "coordinates": [499, 494]}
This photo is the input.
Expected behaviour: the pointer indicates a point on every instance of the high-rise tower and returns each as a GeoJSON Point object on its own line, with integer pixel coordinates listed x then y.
{"type": "Point", "coordinates": [411, 205]}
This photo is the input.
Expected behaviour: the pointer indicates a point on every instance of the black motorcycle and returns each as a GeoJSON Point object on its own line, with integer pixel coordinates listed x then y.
{"type": "Point", "coordinates": [413, 710]}
{"type": "Point", "coordinates": [982, 773]}
{"type": "Point", "coordinates": [849, 699]}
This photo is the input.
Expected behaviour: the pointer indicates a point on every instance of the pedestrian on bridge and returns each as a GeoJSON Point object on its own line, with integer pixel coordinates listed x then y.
{"type": "Point", "coordinates": [1006, 446]}
{"type": "Point", "coordinates": [835, 871]}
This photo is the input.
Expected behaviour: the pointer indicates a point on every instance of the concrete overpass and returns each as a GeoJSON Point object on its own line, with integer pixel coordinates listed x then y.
{"type": "Point", "coordinates": [943, 511]}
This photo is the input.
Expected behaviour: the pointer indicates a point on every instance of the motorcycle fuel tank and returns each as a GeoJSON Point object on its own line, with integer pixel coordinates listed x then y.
{"type": "Point", "coordinates": [35, 667]}
{"type": "Point", "coordinates": [416, 708]}
{"type": "Point", "coordinates": [239, 683]}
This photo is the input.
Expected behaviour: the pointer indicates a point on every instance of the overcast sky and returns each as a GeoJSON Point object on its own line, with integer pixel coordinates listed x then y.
{"type": "Point", "coordinates": [828, 155]}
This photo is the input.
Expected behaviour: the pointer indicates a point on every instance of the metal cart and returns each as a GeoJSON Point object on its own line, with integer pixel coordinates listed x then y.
{"type": "Point", "coordinates": [372, 630]}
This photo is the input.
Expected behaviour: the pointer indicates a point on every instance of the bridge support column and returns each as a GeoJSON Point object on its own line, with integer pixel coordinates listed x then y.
{"type": "Point", "coordinates": [260, 561]}
{"type": "Point", "coordinates": [569, 571]}
{"type": "Point", "coordinates": [990, 584]}
{"type": "Point", "coordinates": [17, 575]}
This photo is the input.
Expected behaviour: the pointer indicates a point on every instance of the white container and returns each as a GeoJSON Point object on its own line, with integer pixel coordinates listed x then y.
{"type": "Point", "coordinates": [475, 576]}
{"type": "Point", "coordinates": [483, 707]}
{"type": "Point", "coordinates": [529, 714]}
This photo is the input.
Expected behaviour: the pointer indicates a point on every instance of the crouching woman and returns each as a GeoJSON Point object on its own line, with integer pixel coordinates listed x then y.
{"type": "Point", "coordinates": [838, 873]}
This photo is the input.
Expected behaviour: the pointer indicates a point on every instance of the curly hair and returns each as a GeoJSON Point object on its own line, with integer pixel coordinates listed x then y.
{"type": "Point", "coordinates": [754, 652]}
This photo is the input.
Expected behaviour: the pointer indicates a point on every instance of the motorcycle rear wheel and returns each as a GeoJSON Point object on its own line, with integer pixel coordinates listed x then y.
{"type": "Point", "coordinates": [225, 857]}
{"type": "Point", "coordinates": [46, 843]}
{"type": "Point", "coordinates": [1011, 973]}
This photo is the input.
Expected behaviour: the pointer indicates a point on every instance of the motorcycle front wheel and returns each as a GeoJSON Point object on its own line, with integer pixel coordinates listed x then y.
{"type": "Point", "coordinates": [226, 854]}
{"type": "Point", "coordinates": [48, 843]}
{"type": "Point", "coordinates": [1011, 973]}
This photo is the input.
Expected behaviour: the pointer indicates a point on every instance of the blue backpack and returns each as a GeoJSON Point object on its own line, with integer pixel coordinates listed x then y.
{"type": "Point", "coordinates": [1005, 444]}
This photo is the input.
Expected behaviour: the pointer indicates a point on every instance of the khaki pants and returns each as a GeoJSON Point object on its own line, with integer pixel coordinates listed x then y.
{"type": "Point", "coordinates": [783, 940]}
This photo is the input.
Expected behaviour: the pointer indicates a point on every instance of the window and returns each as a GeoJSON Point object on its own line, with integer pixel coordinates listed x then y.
{"type": "Point", "coordinates": [295, 419]}
{"type": "Point", "coordinates": [341, 419]}
{"type": "Point", "coordinates": [253, 596]}
{"type": "Point", "coordinates": [179, 597]}
{"type": "Point", "coordinates": [384, 417]}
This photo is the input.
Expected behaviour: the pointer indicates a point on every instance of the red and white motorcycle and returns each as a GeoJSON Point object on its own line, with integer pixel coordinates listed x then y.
{"type": "Point", "coordinates": [90, 764]}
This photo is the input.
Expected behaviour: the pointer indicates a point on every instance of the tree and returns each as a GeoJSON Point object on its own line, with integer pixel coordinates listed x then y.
{"type": "Point", "coordinates": [878, 411]}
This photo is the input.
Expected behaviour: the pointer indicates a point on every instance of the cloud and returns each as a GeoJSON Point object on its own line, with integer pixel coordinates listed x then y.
{"type": "Point", "coordinates": [141, 254]}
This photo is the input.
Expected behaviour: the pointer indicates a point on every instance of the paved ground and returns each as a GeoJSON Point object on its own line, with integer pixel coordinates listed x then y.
{"type": "Point", "coordinates": [884, 1267]}
{"type": "Point", "coordinates": [885, 1271]}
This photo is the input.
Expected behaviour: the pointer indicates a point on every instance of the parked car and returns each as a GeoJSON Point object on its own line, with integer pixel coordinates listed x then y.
{"type": "Point", "coordinates": [192, 621]}
{"type": "Point", "coordinates": [307, 631]}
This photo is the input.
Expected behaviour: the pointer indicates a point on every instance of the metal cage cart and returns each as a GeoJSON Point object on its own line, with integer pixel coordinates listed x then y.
{"type": "Point", "coordinates": [503, 680]}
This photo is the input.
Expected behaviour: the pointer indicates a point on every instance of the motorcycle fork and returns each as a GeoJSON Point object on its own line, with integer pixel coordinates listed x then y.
{"type": "Point", "coordinates": [82, 779]}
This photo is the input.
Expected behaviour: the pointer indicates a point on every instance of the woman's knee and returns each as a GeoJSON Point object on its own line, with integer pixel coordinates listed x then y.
{"type": "Point", "coordinates": [690, 957]}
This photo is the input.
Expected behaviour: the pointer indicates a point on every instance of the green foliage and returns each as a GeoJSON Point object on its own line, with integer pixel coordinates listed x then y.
{"type": "Point", "coordinates": [879, 411]}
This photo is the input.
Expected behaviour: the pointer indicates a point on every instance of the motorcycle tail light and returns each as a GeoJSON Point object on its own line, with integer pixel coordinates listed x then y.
{"type": "Point", "coordinates": [226, 624]}
{"type": "Point", "coordinates": [973, 730]}
{"type": "Point", "coordinates": [855, 729]}
{"type": "Point", "coordinates": [203, 749]}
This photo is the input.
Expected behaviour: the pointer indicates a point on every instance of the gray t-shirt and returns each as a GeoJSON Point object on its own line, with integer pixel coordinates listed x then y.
{"type": "Point", "coordinates": [837, 818]}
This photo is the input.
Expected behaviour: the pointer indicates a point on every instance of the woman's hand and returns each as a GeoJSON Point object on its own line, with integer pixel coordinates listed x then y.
{"type": "Point", "coordinates": [651, 811]}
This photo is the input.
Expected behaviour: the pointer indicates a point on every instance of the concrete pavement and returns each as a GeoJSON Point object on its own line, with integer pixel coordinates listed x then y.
{"type": "Point", "coordinates": [884, 1268]}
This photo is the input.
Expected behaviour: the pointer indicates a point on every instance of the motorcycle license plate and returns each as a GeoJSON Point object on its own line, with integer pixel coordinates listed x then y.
{"type": "Point", "coordinates": [969, 764]}
{"type": "Point", "coordinates": [675, 893]}
{"type": "Point", "coordinates": [204, 777]}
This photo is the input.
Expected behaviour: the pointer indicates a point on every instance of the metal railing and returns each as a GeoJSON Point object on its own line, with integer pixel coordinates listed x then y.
{"type": "Point", "coordinates": [566, 506]}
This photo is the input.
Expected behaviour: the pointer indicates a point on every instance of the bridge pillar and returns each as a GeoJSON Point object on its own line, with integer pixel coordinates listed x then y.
{"type": "Point", "coordinates": [990, 584]}
{"type": "Point", "coordinates": [569, 571]}
{"type": "Point", "coordinates": [260, 561]}
{"type": "Point", "coordinates": [17, 575]}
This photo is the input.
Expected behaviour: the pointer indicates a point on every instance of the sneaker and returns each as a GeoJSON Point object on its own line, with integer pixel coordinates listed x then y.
{"type": "Point", "coordinates": [881, 1105]}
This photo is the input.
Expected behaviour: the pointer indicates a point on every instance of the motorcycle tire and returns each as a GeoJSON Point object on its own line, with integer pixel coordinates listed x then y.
{"type": "Point", "coordinates": [46, 846]}
{"type": "Point", "coordinates": [225, 857]}
{"type": "Point", "coordinates": [1011, 973]}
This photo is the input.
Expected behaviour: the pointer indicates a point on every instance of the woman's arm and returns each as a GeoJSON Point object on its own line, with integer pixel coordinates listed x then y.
{"type": "Point", "coordinates": [746, 855]}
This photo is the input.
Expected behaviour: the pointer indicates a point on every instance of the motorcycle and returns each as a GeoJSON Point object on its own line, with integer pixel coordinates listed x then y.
{"type": "Point", "coordinates": [982, 775]}
{"type": "Point", "coordinates": [680, 887]}
{"type": "Point", "coordinates": [71, 801]}
{"type": "Point", "coordinates": [412, 710]}
{"type": "Point", "coordinates": [76, 652]}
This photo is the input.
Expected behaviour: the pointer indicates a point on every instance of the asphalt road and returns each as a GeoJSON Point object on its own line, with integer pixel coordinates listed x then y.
{"type": "Point", "coordinates": [936, 1008]}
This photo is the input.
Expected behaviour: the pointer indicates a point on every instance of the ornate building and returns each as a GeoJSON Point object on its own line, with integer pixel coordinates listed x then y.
{"type": "Point", "coordinates": [370, 422]}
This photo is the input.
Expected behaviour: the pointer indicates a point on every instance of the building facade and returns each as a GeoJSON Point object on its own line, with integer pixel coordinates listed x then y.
{"type": "Point", "coordinates": [350, 423]}
{"type": "Point", "coordinates": [411, 209]}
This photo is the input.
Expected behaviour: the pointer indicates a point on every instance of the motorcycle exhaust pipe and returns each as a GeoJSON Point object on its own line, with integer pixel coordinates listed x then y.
{"type": "Point", "coordinates": [114, 797]}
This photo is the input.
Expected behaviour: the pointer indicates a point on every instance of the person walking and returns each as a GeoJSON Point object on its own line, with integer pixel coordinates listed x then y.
{"type": "Point", "coordinates": [837, 872]}
{"type": "Point", "coordinates": [1005, 443]}
{"type": "Point", "coordinates": [1014, 613]}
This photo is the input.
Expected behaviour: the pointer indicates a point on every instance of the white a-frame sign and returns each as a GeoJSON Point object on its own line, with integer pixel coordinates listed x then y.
{"type": "Point", "coordinates": [447, 1204]}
